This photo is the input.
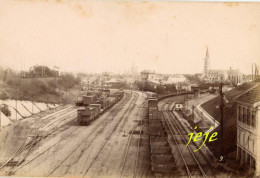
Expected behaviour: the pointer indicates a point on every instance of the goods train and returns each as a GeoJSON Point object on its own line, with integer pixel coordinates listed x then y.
{"type": "Point", "coordinates": [94, 107]}
{"type": "Point", "coordinates": [153, 101]}
{"type": "Point", "coordinates": [85, 100]}
{"type": "Point", "coordinates": [91, 96]}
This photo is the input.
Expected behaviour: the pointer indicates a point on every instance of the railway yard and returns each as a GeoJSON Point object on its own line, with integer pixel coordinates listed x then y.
{"type": "Point", "coordinates": [133, 136]}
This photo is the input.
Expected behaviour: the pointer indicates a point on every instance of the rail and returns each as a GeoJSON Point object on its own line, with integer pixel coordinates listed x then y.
{"type": "Point", "coordinates": [176, 143]}
{"type": "Point", "coordinates": [184, 141]}
{"type": "Point", "coordinates": [22, 147]}
{"type": "Point", "coordinates": [106, 140]}
{"type": "Point", "coordinates": [37, 138]}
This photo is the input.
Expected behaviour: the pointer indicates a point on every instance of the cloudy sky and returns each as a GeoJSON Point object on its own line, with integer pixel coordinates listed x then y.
{"type": "Point", "coordinates": [96, 36]}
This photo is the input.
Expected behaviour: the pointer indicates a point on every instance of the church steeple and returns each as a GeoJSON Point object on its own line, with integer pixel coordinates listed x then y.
{"type": "Point", "coordinates": [206, 63]}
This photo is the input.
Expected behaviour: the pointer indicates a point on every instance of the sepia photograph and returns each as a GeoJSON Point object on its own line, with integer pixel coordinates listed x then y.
{"type": "Point", "coordinates": [115, 88]}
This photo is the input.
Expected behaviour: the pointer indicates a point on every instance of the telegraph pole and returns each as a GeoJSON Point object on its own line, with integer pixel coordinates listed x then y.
{"type": "Point", "coordinates": [221, 117]}
{"type": "Point", "coordinates": [193, 116]}
{"type": "Point", "coordinates": [16, 109]}
{"type": "Point", "coordinates": [0, 117]}
{"type": "Point", "coordinates": [32, 107]}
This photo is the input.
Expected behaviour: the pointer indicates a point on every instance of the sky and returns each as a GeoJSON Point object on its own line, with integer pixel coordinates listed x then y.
{"type": "Point", "coordinates": [98, 36]}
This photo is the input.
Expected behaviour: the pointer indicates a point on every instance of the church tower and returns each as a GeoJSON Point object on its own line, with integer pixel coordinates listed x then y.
{"type": "Point", "coordinates": [206, 63]}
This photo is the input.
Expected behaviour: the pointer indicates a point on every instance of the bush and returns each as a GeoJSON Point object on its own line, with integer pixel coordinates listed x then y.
{"type": "Point", "coordinates": [3, 96]}
{"type": "Point", "coordinates": [68, 81]}
{"type": "Point", "coordinates": [38, 89]}
{"type": "Point", "coordinates": [4, 109]}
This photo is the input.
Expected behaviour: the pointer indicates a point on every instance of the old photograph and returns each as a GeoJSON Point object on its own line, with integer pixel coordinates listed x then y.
{"type": "Point", "coordinates": [112, 88]}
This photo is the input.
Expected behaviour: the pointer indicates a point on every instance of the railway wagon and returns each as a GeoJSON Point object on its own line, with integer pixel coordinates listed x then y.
{"type": "Point", "coordinates": [119, 95]}
{"type": "Point", "coordinates": [97, 109]}
{"type": "Point", "coordinates": [79, 101]}
{"type": "Point", "coordinates": [107, 92]}
{"type": "Point", "coordinates": [152, 103]}
{"type": "Point", "coordinates": [103, 102]}
{"type": "Point", "coordinates": [94, 93]}
{"type": "Point", "coordinates": [153, 114]}
{"type": "Point", "coordinates": [90, 112]}
{"type": "Point", "coordinates": [106, 103]}
{"type": "Point", "coordinates": [85, 115]}
{"type": "Point", "coordinates": [89, 99]}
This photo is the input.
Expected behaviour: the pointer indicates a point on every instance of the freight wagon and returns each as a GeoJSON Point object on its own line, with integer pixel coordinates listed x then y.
{"type": "Point", "coordinates": [103, 102]}
{"type": "Point", "coordinates": [86, 115]}
{"type": "Point", "coordinates": [89, 99]}
{"type": "Point", "coordinates": [152, 103]}
{"type": "Point", "coordinates": [97, 109]}
{"type": "Point", "coordinates": [90, 112]}
{"type": "Point", "coordinates": [79, 101]}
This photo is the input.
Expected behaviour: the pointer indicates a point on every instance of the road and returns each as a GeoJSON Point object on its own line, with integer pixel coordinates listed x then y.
{"type": "Point", "coordinates": [110, 146]}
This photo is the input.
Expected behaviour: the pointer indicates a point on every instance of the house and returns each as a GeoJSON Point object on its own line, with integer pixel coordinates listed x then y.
{"type": "Point", "coordinates": [178, 78]}
{"type": "Point", "coordinates": [248, 129]}
{"type": "Point", "coordinates": [151, 76]}
{"type": "Point", "coordinates": [56, 71]}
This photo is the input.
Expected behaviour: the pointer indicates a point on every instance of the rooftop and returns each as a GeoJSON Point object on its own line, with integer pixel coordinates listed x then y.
{"type": "Point", "coordinates": [251, 97]}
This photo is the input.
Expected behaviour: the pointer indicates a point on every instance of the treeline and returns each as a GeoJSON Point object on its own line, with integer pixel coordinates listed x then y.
{"type": "Point", "coordinates": [156, 88]}
{"type": "Point", "coordinates": [38, 71]}
{"type": "Point", "coordinates": [38, 89]}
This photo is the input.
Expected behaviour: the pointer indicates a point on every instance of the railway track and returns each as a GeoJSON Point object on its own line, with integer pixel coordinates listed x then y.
{"type": "Point", "coordinates": [109, 136]}
{"type": "Point", "coordinates": [137, 151]}
{"type": "Point", "coordinates": [49, 116]}
{"type": "Point", "coordinates": [138, 144]}
{"type": "Point", "coordinates": [38, 136]}
{"type": "Point", "coordinates": [36, 127]}
{"type": "Point", "coordinates": [175, 128]}
{"type": "Point", "coordinates": [45, 151]}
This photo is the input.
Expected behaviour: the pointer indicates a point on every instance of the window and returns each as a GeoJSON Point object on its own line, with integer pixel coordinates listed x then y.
{"type": "Point", "coordinates": [244, 115]}
{"type": "Point", "coordinates": [241, 138]}
{"type": "Point", "coordinates": [248, 117]}
{"type": "Point", "coordinates": [240, 113]}
{"type": "Point", "coordinates": [238, 136]}
{"type": "Point", "coordinates": [253, 163]}
{"type": "Point", "coordinates": [254, 118]}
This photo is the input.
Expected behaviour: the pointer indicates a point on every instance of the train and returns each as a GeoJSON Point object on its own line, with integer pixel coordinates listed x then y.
{"type": "Point", "coordinates": [152, 103]}
{"type": "Point", "coordinates": [94, 107]}
{"type": "Point", "coordinates": [91, 96]}
{"type": "Point", "coordinates": [85, 100]}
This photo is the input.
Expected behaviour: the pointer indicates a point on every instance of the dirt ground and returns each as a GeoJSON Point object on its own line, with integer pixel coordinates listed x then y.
{"type": "Point", "coordinates": [63, 148]}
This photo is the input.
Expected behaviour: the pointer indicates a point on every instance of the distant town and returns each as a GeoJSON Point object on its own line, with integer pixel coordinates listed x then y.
{"type": "Point", "coordinates": [153, 81]}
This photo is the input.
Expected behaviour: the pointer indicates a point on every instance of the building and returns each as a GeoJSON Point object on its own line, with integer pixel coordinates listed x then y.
{"type": "Point", "coordinates": [233, 76]}
{"type": "Point", "coordinates": [151, 76]}
{"type": "Point", "coordinates": [56, 71]}
{"type": "Point", "coordinates": [177, 78]}
{"type": "Point", "coordinates": [248, 129]}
